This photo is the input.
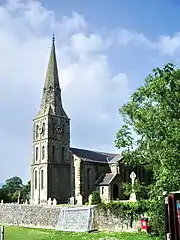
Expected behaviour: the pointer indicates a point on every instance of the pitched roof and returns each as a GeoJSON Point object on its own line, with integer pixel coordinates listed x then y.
{"type": "Point", "coordinates": [95, 156]}
{"type": "Point", "coordinates": [105, 179]}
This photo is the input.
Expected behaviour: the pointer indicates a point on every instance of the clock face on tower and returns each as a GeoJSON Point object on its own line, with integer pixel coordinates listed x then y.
{"type": "Point", "coordinates": [59, 130]}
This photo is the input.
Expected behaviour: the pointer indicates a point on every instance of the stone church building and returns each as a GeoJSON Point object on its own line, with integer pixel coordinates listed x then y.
{"type": "Point", "coordinates": [59, 171]}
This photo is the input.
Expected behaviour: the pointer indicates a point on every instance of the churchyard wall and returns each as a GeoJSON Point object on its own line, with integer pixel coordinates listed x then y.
{"type": "Point", "coordinates": [38, 216]}
{"type": "Point", "coordinates": [109, 222]}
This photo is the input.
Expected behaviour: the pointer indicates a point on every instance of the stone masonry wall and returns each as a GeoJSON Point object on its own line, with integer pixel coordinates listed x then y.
{"type": "Point", "coordinates": [39, 216]}
{"type": "Point", "coordinates": [29, 215]}
{"type": "Point", "coordinates": [111, 223]}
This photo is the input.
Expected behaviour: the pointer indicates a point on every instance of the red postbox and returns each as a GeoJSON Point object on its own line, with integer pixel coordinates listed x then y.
{"type": "Point", "coordinates": [144, 223]}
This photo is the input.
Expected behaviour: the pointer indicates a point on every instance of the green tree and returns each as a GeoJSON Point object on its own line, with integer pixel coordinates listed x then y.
{"type": "Point", "coordinates": [4, 196]}
{"type": "Point", "coordinates": [12, 187]}
{"type": "Point", "coordinates": [150, 134]}
{"type": "Point", "coordinates": [26, 191]}
{"type": "Point", "coordinates": [141, 190]}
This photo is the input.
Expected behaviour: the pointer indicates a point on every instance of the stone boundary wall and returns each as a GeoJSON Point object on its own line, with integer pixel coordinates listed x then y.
{"type": "Point", "coordinates": [38, 216]}
{"type": "Point", "coordinates": [109, 222]}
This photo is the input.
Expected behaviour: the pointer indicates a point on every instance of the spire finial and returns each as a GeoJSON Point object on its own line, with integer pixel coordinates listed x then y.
{"type": "Point", "coordinates": [53, 39]}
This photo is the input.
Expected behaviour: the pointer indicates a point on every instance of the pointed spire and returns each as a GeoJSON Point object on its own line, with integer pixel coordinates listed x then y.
{"type": "Point", "coordinates": [53, 39]}
{"type": "Point", "coordinates": [51, 92]}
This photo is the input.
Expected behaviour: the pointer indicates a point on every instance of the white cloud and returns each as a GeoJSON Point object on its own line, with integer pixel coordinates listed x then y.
{"type": "Point", "coordinates": [169, 45]}
{"type": "Point", "coordinates": [91, 93]}
{"type": "Point", "coordinates": [125, 36]}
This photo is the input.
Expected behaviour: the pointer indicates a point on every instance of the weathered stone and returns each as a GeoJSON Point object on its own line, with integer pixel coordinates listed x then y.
{"type": "Point", "coordinates": [72, 200]}
{"type": "Point", "coordinates": [79, 200]}
{"type": "Point", "coordinates": [90, 199]}
{"type": "Point", "coordinates": [54, 202]}
{"type": "Point", "coordinates": [49, 202]}
{"type": "Point", "coordinates": [78, 219]}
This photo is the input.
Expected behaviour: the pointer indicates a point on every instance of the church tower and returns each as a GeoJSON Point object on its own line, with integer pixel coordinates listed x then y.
{"type": "Point", "coordinates": [51, 165]}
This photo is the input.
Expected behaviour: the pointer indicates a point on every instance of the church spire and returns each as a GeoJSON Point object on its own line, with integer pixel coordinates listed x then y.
{"type": "Point", "coordinates": [51, 97]}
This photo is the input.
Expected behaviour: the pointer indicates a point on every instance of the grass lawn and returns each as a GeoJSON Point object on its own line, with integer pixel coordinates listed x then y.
{"type": "Point", "coordinates": [16, 233]}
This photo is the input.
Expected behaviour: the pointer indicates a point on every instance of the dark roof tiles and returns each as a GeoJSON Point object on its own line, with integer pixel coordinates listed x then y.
{"type": "Point", "coordinates": [105, 179]}
{"type": "Point", "coordinates": [95, 156]}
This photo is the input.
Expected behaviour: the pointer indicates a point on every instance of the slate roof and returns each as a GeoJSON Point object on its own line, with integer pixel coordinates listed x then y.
{"type": "Point", "coordinates": [105, 179]}
{"type": "Point", "coordinates": [95, 156]}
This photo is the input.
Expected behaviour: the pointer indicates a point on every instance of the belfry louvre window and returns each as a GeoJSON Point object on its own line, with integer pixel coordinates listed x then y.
{"type": "Point", "coordinates": [43, 129]}
{"type": "Point", "coordinates": [35, 179]}
{"type": "Point", "coordinates": [36, 131]}
{"type": "Point", "coordinates": [53, 153]}
{"type": "Point", "coordinates": [36, 153]}
{"type": "Point", "coordinates": [43, 152]}
{"type": "Point", "coordinates": [42, 179]}
{"type": "Point", "coordinates": [62, 153]}
{"type": "Point", "coordinates": [88, 178]}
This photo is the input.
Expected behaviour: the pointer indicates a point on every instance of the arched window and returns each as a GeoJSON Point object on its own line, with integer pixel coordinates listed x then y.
{"type": "Point", "coordinates": [43, 152]}
{"type": "Point", "coordinates": [88, 178]}
{"type": "Point", "coordinates": [36, 132]}
{"type": "Point", "coordinates": [43, 129]}
{"type": "Point", "coordinates": [53, 128]}
{"type": "Point", "coordinates": [42, 179]}
{"type": "Point", "coordinates": [53, 153]}
{"type": "Point", "coordinates": [35, 179]}
{"type": "Point", "coordinates": [62, 153]}
{"type": "Point", "coordinates": [36, 153]}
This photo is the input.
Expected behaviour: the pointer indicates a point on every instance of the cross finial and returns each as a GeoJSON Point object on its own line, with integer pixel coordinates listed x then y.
{"type": "Point", "coordinates": [53, 39]}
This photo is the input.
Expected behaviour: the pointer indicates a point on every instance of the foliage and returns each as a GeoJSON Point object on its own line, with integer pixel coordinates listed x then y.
{"type": "Point", "coordinates": [150, 135]}
{"type": "Point", "coordinates": [12, 187]}
{"type": "Point", "coordinates": [10, 190]}
{"type": "Point", "coordinates": [26, 191]}
{"type": "Point", "coordinates": [140, 189]}
{"type": "Point", "coordinates": [127, 210]}
{"type": "Point", "coordinates": [96, 199]}
{"type": "Point", "coordinates": [4, 195]}
{"type": "Point", "coordinates": [12, 233]}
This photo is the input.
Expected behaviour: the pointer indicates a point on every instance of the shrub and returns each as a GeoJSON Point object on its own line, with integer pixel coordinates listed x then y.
{"type": "Point", "coordinates": [96, 199]}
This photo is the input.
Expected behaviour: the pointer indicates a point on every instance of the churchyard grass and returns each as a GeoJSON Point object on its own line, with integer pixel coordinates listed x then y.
{"type": "Point", "coordinates": [18, 233]}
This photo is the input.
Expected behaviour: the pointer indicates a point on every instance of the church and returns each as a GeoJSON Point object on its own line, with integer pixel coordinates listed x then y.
{"type": "Point", "coordinates": [61, 172]}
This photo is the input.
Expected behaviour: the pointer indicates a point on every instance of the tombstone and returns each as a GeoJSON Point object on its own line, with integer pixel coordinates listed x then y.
{"type": "Point", "coordinates": [79, 200]}
{"type": "Point", "coordinates": [2, 201]}
{"type": "Point", "coordinates": [90, 199]}
{"type": "Point", "coordinates": [49, 202]}
{"type": "Point", "coordinates": [72, 200]}
{"type": "Point", "coordinates": [26, 202]}
{"type": "Point", "coordinates": [133, 194]}
{"type": "Point", "coordinates": [54, 202]}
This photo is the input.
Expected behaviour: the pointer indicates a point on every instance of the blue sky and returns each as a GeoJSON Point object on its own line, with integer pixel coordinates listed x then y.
{"type": "Point", "coordinates": [104, 51]}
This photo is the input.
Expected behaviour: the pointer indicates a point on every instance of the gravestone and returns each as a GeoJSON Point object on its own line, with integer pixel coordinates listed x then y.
{"type": "Point", "coordinates": [49, 202]}
{"type": "Point", "coordinates": [2, 201]}
{"type": "Point", "coordinates": [72, 201]}
{"type": "Point", "coordinates": [79, 200]}
{"type": "Point", "coordinates": [54, 202]}
{"type": "Point", "coordinates": [133, 194]}
{"type": "Point", "coordinates": [90, 199]}
{"type": "Point", "coordinates": [76, 219]}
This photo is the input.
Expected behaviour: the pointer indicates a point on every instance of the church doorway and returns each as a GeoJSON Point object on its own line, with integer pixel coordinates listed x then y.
{"type": "Point", "coordinates": [115, 192]}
